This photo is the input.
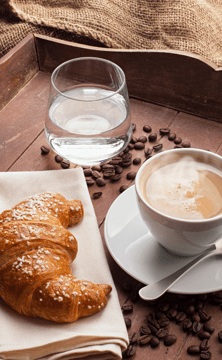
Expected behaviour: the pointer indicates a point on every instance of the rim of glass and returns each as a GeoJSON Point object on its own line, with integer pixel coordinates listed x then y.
{"type": "Point", "coordinates": [56, 70]}
{"type": "Point", "coordinates": [173, 218]}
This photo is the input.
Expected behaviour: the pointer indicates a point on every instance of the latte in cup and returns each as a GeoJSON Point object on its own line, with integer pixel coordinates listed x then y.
{"type": "Point", "coordinates": [185, 188]}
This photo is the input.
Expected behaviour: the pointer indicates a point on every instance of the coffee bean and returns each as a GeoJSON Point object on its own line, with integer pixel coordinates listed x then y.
{"type": "Point", "coordinates": [204, 345]}
{"type": "Point", "coordinates": [148, 152]}
{"type": "Point", "coordinates": [90, 182]}
{"type": "Point", "coordinates": [133, 338]}
{"type": "Point", "coordinates": [174, 305]}
{"type": "Point", "coordinates": [115, 177]}
{"type": "Point", "coordinates": [150, 317]}
{"type": "Point", "coordinates": [205, 355]}
{"type": "Point", "coordinates": [196, 327]}
{"type": "Point", "coordinates": [144, 339]}
{"type": "Point", "coordinates": [108, 174]}
{"type": "Point", "coordinates": [126, 163]}
{"type": "Point", "coordinates": [136, 161]}
{"type": "Point", "coordinates": [133, 127]}
{"type": "Point", "coordinates": [209, 328]}
{"type": "Point", "coordinates": [115, 162]}
{"type": "Point", "coordinates": [180, 316]}
{"type": "Point", "coordinates": [58, 159]}
{"type": "Point", "coordinates": [118, 169]}
{"type": "Point", "coordinates": [152, 137]}
{"type": "Point", "coordinates": [220, 336]}
{"type": "Point", "coordinates": [147, 128]}
{"type": "Point", "coordinates": [131, 146]}
{"type": "Point", "coordinates": [100, 182]}
{"type": "Point", "coordinates": [217, 298]}
{"type": "Point", "coordinates": [204, 316]}
{"type": "Point", "coordinates": [131, 175]}
{"type": "Point", "coordinates": [127, 322]}
{"type": "Point", "coordinates": [145, 330]}
{"type": "Point", "coordinates": [97, 195]}
{"type": "Point", "coordinates": [123, 188]}
{"type": "Point", "coordinates": [161, 333]}
{"type": "Point", "coordinates": [163, 322]}
{"type": "Point", "coordinates": [142, 139]}
{"type": "Point", "coordinates": [177, 140]}
{"type": "Point", "coordinates": [165, 131]}
{"type": "Point", "coordinates": [199, 305]}
{"type": "Point", "coordinates": [157, 147]}
{"type": "Point", "coordinates": [139, 145]}
{"type": "Point", "coordinates": [154, 341]}
{"type": "Point", "coordinates": [160, 315]}
{"type": "Point", "coordinates": [164, 306]}
{"type": "Point", "coordinates": [107, 167]}
{"type": "Point", "coordinates": [203, 297]}
{"type": "Point", "coordinates": [178, 147]}
{"type": "Point", "coordinates": [96, 168]}
{"type": "Point", "coordinates": [171, 313]}
{"type": "Point", "coordinates": [65, 164]}
{"type": "Point", "coordinates": [187, 324]}
{"type": "Point", "coordinates": [127, 156]}
{"type": "Point", "coordinates": [190, 310]}
{"type": "Point", "coordinates": [186, 144]}
{"type": "Point", "coordinates": [193, 350]}
{"type": "Point", "coordinates": [44, 150]}
{"type": "Point", "coordinates": [87, 172]}
{"type": "Point", "coordinates": [130, 351]}
{"type": "Point", "coordinates": [195, 317]}
{"type": "Point", "coordinates": [204, 335]}
{"type": "Point", "coordinates": [154, 323]}
{"type": "Point", "coordinates": [127, 308]}
{"type": "Point", "coordinates": [172, 136]}
{"type": "Point", "coordinates": [133, 140]}
{"type": "Point", "coordinates": [126, 150]}
{"type": "Point", "coordinates": [95, 174]}
{"type": "Point", "coordinates": [170, 340]}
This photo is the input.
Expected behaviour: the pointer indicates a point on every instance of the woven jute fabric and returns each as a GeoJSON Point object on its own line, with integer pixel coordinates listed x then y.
{"type": "Point", "coordinates": [194, 26]}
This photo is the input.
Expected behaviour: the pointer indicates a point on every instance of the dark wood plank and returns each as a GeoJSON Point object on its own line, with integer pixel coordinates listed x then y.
{"type": "Point", "coordinates": [175, 79]}
{"type": "Point", "coordinates": [17, 67]}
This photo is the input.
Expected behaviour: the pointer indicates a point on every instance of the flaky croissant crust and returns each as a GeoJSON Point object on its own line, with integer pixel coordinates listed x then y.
{"type": "Point", "coordinates": [36, 252]}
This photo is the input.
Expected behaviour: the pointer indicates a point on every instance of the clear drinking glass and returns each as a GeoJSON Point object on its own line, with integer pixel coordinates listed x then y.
{"type": "Point", "coordinates": [88, 117]}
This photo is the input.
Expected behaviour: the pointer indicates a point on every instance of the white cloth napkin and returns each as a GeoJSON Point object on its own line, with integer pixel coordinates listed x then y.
{"type": "Point", "coordinates": [100, 336]}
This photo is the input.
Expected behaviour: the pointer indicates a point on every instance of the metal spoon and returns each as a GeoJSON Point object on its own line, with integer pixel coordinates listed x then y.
{"type": "Point", "coordinates": [155, 290]}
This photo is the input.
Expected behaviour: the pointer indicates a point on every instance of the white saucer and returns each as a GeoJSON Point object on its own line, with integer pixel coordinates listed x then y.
{"type": "Point", "coordinates": [138, 253]}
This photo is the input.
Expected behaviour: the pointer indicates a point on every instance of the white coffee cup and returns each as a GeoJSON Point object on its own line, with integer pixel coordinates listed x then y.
{"type": "Point", "coordinates": [186, 237]}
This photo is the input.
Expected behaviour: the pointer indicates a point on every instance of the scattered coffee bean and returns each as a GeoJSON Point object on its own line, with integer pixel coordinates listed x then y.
{"type": "Point", "coordinates": [209, 328]}
{"type": "Point", "coordinates": [90, 182]}
{"type": "Point", "coordinates": [123, 188]}
{"type": "Point", "coordinates": [87, 172]}
{"type": "Point", "coordinates": [118, 169]}
{"type": "Point", "coordinates": [178, 147]}
{"type": "Point", "coordinates": [204, 335]}
{"type": "Point", "coordinates": [152, 137]}
{"type": "Point", "coordinates": [193, 350]}
{"type": "Point", "coordinates": [171, 313]}
{"type": "Point", "coordinates": [154, 341]}
{"type": "Point", "coordinates": [58, 159]}
{"type": "Point", "coordinates": [190, 309]}
{"type": "Point", "coordinates": [115, 177]}
{"type": "Point", "coordinates": [161, 333]}
{"type": "Point", "coordinates": [95, 174]}
{"type": "Point", "coordinates": [136, 161]}
{"type": "Point", "coordinates": [130, 351]}
{"type": "Point", "coordinates": [196, 327]}
{"type": "Point", "coordinates": [127, 322]}
{"type": "Point", "coordinates": [108, 174]}
{"type": "Point", "coordinates": [139, 145]}
{"type": "Point", "coordinates": [65, 164]}
{"type": "Point", "coordinates": [148, 152]}
{"type": "Point", "coordinates": [127, 308]}
{"type": "Point", "coordinates": [127, 156]}
{"type": "Point", "coordinates": [164, 306]}
{"type": "Point", "coordinates": [160, 315]}
{"type": "Point", "coordinates": [204, 345]}
{"type": "Point", "coordinates": [126, 150]}
{"type": "Point", "coordinates": [44, 150]}
{"type": "Point", "coordinates": [205, 355]}
{"type": "Point", "coordinates": [100, 182]}
{"type": "Point", "coordinates": [170, 340]}
{"type": "Point", "coordinates": [142, 139]}
{"type": "Point", "coordinates": [144, 339]}
{"type": "Point", "coordinates": [126, 163]}
{"type": "Point", "coordinates": [107, 167]}
{"type": "Point", "coordinates": [163, 322]}
{"type": "Point", "coordinates": [133, 127]}
{"type": "Point", "coordinates": [165, 131]}
{"type": "Point", "coordinates": [186, 144]}
{"type": "Point", "coordinates": [154, 323]}
{"type": "Point", "coordinates": [187, 324]}
{"type": "Point", "coordinates": [147, 128]}
{"type": "Point", "coordinates": [96, 168]}
{"type": "Point", "coordinates": [180, 316]}
{"type": "Point", "coordinates": [131, 175]}
{"type": "Point", "coordinates": [172, 136]}
{"type": "Point", "coordinates": [131, 146]}
{"type": "Point", "coordinates": [220, 336]}
{"type": "Point", "coordinates": [97, 195]}
{"type": "Point", "coordinates": [145, 330]}
{"type": "Point", "coordinates": [133, 338]}
{"type": "Point", "coordinates": [195, 317]}
{"type": "Point", "coordinates": [177, 140]}
{"type": "Point", "coordinates": [133, 140]}
{"type": "Point", "coordinates": [204, 316]}
{"type": "Point", "coordinates": [150, 317]}
{"type": "Point", "coordinates": [157, 147]}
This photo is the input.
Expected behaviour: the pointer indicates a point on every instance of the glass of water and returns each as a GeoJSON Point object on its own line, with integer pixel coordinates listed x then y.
{"type": "Point", "coordinates": [88, 117]}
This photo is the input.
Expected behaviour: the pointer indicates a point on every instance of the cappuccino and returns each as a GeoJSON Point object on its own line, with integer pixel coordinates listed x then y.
{"type": "Point", "coordinates": [185, 189]}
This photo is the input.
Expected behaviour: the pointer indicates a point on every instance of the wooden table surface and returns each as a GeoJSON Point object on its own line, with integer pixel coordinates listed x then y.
{"type": "Point", "coordinates": [21, 137]}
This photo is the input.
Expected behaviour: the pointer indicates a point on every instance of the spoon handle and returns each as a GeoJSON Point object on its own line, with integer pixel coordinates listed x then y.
{"type": "Point", "coordinates": [155, 290]}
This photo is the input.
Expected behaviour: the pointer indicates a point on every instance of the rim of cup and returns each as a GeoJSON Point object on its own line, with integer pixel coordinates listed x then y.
{"type": "Point", "coordinates": [173, 218]}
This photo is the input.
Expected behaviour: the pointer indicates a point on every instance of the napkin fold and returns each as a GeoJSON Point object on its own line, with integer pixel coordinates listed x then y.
{"type": "Point", "coordinates": [100, 336]}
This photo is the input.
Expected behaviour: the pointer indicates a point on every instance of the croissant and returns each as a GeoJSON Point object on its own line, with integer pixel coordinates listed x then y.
{"type": "Point", "coordinates": [36, 252]}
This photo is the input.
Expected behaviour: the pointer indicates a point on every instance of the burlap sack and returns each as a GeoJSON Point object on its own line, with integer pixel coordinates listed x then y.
{"type": "Point", "coordinates": [188, 25]}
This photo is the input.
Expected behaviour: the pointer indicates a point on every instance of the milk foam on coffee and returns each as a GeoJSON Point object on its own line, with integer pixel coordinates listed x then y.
{"type": "Point", "coordinates": [186, 189]}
